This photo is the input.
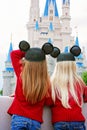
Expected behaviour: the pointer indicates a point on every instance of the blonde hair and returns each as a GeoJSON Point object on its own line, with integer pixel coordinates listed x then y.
{"type": "Point", "coordinates": [64, 83]}
{"type": "Point", "coordinates": [35, 80]}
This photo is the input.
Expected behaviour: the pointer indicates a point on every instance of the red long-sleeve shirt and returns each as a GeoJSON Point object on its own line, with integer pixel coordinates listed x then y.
{"type": "Point", "coordinates": [19, 105]}
{"type": "Point", "coordinates": [61, 114]}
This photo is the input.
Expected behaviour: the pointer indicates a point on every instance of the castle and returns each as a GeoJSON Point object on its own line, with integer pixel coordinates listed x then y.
{"type": "Point", "coordinates": [48, 28]}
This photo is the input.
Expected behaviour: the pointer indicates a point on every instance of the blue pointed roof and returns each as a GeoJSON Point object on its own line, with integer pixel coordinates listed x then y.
{"type": "Point", "coordinates": [79, 63]}
{"type": "Point", "coordinates": [50, 40]}
{"type": "Point", "coordinates": [47, 7]}
{"type": "Point", "coordinates": [80, 56]}
{"type": "Point", "coordinates": [66, 50]}
{"type": "Point", "coordinates": [8, 58]}
{"type": "Point", "coordinates": [36, 26]}
{"type": "Point", "coordinates": [10, 49]}
{"type": "Point", "coordinates": [66, 1]}
{"type": "Point", "coordinates": [77, 43]}
{"type": "Point", "coordinates": [51, 26]}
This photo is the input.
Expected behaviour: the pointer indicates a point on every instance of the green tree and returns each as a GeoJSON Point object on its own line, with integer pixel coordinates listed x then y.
{"type": "Point", "coordinates": [1, 92]}
{"type": "Point", "coordinates": [84, 77]}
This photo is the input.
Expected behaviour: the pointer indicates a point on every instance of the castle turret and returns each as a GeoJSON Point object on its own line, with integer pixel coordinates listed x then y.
{"type": "Point", "coordinates": [65, 21]}
{"type": "Point", "coordinates": [51, 9]}
{"type": "Point", "coordinates": [34, 11]}
{"type": "Point", "coordinates": [34, 15]}
{"type": "Point", "coordinates": [8, 75]}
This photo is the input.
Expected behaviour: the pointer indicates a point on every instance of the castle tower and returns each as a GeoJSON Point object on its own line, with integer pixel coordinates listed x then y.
{"type": "Point", "coordinates": [34, 16]}
{"type": "Point", "coordinates": [8, 75]}
{"type": "Point", "coordinates": [52, 23]}
{"type": "Point", "coordinates": [50, 17]}
{"type": "Point", "coordinates": [66, 29]}
{"type": "Point", "coordinates": [34, 11]}
{"type": "Point", "coordinates": [50, 27]}
{"type": "Point", "coordinates": [51, 9]}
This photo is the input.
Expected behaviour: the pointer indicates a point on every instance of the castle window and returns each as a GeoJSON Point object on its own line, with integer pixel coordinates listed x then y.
{"type": "Point", "coordinates": [66, 14]}
{"type": "Point", "coordinates": [40, 19]}
{"type": "Point", "coordinates": [51, 18]}
{"type": "Point", "coordinates": [51, 11]}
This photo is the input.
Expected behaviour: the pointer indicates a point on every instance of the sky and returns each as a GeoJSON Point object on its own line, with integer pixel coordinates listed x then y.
{"type": "Point", "coordinates": [14, 15]}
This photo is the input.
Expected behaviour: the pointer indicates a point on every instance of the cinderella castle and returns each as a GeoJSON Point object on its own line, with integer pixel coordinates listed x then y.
{"type": "Point", "coordinates": [48, 28]}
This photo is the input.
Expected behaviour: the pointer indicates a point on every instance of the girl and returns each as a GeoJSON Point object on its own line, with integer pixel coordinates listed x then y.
{"type": "Point", "coordinates": [68, 93]}
{"type": "Point", "coordinates": [32, 85]}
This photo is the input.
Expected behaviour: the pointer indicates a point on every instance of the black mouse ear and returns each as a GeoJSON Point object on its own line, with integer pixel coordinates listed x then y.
{"type": "Point", "coordinates": [55, 52]}
{"type": "Point", "coordinates": [24, 46]}
{"type": "Point", "coordinates": [75, 50]}
{"type": "Point", "coordinates": [47, 48]}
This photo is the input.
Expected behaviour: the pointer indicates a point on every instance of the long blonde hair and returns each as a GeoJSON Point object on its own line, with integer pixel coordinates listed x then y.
{"type": "Point", "coordinates": [35, 80]}
{"type": "Point", "coordinates": [64, 83]}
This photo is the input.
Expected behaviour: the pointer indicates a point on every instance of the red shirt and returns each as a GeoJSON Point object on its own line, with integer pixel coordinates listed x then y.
{"type": "Point", "coordinates": [19, 105]}
{"type": "Point", "coordinates": [60, 113]}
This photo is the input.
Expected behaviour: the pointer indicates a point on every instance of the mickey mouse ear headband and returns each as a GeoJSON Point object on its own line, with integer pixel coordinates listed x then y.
{"type": "Point", "coordinates": [35, 54]}
{"type": "Point", "coordinates": [75, 50]}
{"type": "Point", "coordinates": [24, 46]}
{"type": "Point", "coordinates": [70, 56]}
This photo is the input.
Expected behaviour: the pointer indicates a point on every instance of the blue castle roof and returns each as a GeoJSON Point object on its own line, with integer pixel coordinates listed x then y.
{"type": "Point", "coordinates": [79, 63]}
{"type": "Point", "coordinates": [8, 58]}
{"type": "Point", "coordinates": [50, 40]}
{"type": "Point", "coordinates": [36, 26]}
{"type": "Point", "coordinates": [47, 7]}
{"type": "Point", "coordinates": [51, 26]}
{"type": "Point", "coordinates": [66, 50]}
{"type": "Point", "coordinates": [77, 43]}
{"type": "Point", "coordinates": [10, 49]}
{"type": "Point", "coordinates": [66, 1]}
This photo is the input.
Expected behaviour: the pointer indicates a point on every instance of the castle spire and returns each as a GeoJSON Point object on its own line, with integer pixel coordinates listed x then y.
{"type": "Point", "coordinates": [50, 40]}
{"type": "Point", "coordinates": [80, 56]}
{"type": "Point", "coordinates": [51, 27]}
{"type": "Point", "coordinates": [46, 10]}
{"type": "Point", "coordinates": [77, 41]}
{"type": "Point", "coordinates": [66, 2]}
{"type": "Point", "coordinates": [8, 74]}
{"type": "Point", "coordinates": [65, 20]}
{"type": "Point", "coordinates": [10, 49]}
{"type": "Point", "coordinates": [34, 10]}
{"type": "Point", "coordinates": [36, 26]}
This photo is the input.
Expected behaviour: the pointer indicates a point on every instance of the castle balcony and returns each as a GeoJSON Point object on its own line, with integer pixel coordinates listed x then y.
{"type": "Point", "coordinates": [46, 35]}
{"type": "Point", "coordinates": [5, 119]}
